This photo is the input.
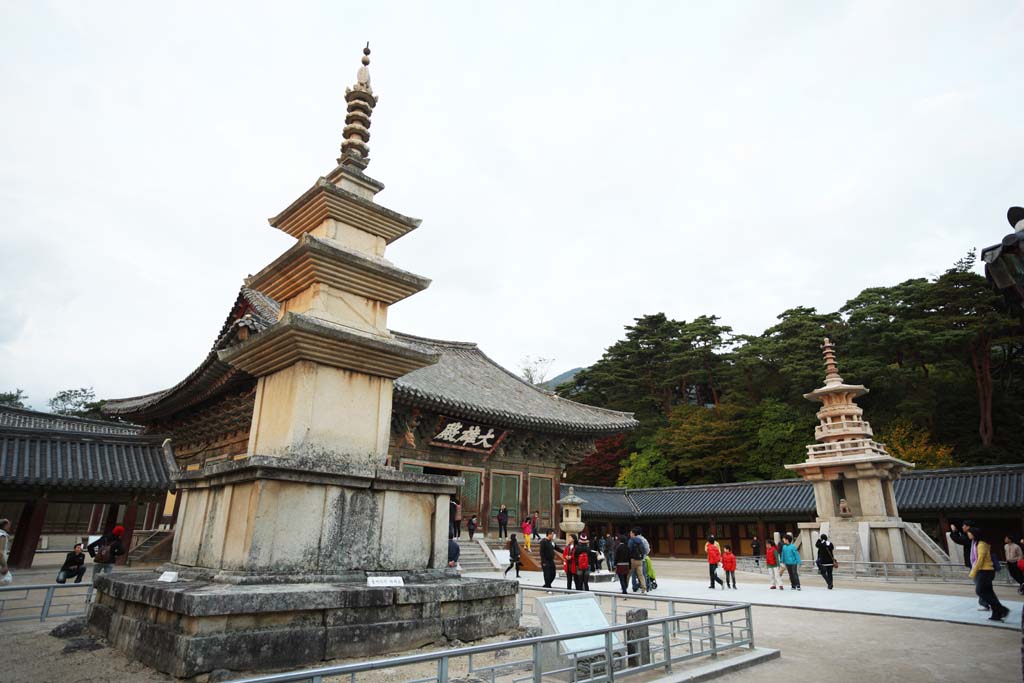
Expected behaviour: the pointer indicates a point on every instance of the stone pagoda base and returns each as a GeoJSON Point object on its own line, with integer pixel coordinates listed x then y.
{"type": "Point", "coordinates": [273, 554]}
{"type": "Point", "coordinates": [195, 626]}
{"type": "Point", "coordinates": [891, 541]}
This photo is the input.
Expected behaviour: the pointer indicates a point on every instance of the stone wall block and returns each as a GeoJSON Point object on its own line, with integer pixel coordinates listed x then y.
{"type": "Point", "coordinates": [351, 537]}
{"type": "Point", "coordinates": [211, 547]}
{"type": "Point", "coordinates": [473, 627]}
{"type": "Point", "coordinates": [192, 517]}
{"type": "Point", "coordinates": [407, 524]}
{"type": "Point", "coordinates": [367, 640]}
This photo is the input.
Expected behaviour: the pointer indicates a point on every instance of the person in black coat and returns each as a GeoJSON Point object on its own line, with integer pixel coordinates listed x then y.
{"type": "Point", "coordinates": [502, 518]}
{"type": "Point", "coordinates": [755, 548]}
{"type": "Point", "coordinates": [514, 554]}
{"type": "Point", "coordinates": [826, 558]}
{"type": "Point", "coordinates": [547, 558]}
{"type": "Point", "coordinates": [621, 559]}
{"type": "Point", "coordinates": [959, 536]}
{"type": "Point", "coordinates": [74, 565]}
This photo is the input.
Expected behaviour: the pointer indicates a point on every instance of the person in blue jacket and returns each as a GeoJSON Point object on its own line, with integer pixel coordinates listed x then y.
{"type": "Point", "coordinates": [791, 559]}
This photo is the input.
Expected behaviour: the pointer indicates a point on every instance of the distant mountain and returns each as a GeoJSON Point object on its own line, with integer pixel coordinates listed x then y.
{"type": "Point", "coordinates": [553, 383]}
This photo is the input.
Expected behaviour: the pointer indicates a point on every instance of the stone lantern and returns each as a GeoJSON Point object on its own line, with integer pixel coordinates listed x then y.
{"type": "Point", "coordinates": [572, 513]}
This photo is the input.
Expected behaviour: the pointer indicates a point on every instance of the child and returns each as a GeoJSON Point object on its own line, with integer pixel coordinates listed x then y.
{"type": "Point", "coordinates": [729, 565]}
{"type": "Point", "coordinates": [771, 560]}
{"type": "Point", "coordinates": [527, 532]}
{"type": "Point", "coordinates": [471, 526]}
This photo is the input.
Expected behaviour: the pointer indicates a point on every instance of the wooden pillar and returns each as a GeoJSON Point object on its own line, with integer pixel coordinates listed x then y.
{"type": "Point", "coordinates": [150, 521]}
{"type": "Point", "coordinates": [111, 521]}
{"type": "Point", "coordinates": [26, 535]}
{"type": "Point", "coordinates": [94, 518]}
{"type": "Point", "coordinates": [735, 541]}
{"type": "Point", "coordinates": [943, 529]}
{"type": "Point", "coordinates": [130, 515]}
{"type": "Point", "coordinates": [177, 505]}
{"type": "Point", "coordinates": [485, 505]}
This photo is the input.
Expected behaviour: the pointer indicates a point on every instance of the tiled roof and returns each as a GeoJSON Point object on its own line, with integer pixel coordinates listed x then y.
{"type": "Point", "coordinates": [251, 310]}
{"type": "Point", "coordinates": [467, 383]}
{"type": "Point", "coordinates": [603, 500]}
{"type": "Point", "coordinates": [31, 419]}
{"type": "Point", "coordinates": [962, 488]}
{"type": "Point", "coordinates": [67, 454]}
{"type": "Point", "coordinates": [464, 383]}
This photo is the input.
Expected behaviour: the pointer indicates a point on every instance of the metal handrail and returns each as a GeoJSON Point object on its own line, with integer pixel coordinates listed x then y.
{"type": "Point", "coordinates": [47, 608]}
{"type": "Point", "coordinates": [666, 627]}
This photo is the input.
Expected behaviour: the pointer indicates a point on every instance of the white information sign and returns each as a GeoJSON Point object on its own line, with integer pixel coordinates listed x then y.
{"type": "Point", "coordinates": [168, 577]}
{"type": "Point", "coordinates": [384, 581]}
{"type": "Point", "coordinates": [574, 614]}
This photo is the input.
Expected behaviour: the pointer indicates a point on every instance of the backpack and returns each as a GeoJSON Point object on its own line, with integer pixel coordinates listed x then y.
{"type": "Point", "coordinates": [636, 550]}
{"type": "Point", "coordinates": [105, 553]}
{"type": "Point", "coordinates": [583, 562]}
{"type": "Point", "coordinates": [770, 555]}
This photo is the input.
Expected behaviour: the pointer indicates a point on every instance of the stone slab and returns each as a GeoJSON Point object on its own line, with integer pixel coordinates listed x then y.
{"type": "Point", "coordinates": [191, 627]}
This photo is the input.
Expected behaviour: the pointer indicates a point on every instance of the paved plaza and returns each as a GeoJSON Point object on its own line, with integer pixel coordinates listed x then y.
{"type": "Point", "coordinates": [891, 601]}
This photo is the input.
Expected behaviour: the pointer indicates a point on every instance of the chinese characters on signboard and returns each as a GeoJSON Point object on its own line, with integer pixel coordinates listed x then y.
{"type": "Point", "coordinates": [466, 436]}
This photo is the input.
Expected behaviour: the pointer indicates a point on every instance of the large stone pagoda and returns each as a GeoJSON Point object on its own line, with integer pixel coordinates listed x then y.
{"type": "Point", "coordinates": [274, 547]}
{"type": "Point", "coordinates": [853, 476]}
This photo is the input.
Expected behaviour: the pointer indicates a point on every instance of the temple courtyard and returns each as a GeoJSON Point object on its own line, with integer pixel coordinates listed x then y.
{"type": "Point", "coordinates": [848, 633]}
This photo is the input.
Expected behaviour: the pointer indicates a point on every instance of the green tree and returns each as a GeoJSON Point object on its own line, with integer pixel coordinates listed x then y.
{"type": "Point", "coordinates": [706, 446]}
{"type": "Point", "coordinates": [906, 442]}
{"type": "Point", "coordinates": [967, 317]}
{"type": "Point", "coordinates": [646, 468]}
{"type": "Point", "coordinates": [634, 374]}
{"type": "Point", "coordinates": [77, 403]}
{"type": "Point", "coordinates": [13, 399]}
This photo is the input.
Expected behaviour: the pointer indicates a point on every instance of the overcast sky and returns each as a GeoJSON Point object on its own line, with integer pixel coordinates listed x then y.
{"type": "Point", "coordinates": [575, 165]}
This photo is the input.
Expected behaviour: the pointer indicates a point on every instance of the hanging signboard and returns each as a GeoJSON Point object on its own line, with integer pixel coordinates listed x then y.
{"type": "Point", "coordinates": [466, 436]}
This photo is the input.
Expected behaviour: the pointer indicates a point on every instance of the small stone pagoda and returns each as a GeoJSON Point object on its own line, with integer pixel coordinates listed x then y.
{"type": "Point", "coordinates": [853, 479]}
{"type": "Point", "coordinates": [280, 551]}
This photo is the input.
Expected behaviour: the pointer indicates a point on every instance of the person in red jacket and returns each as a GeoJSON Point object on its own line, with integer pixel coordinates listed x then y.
{"type": "Point", "coordinates": [729, 565]}
{"type": "Point", "coordinates": [569, 565]}
{"type": "Point", "coordinates": [714, 552]}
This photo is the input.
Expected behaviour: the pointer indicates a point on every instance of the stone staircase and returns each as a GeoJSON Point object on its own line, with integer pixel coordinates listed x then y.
{"type": "Point", "coordinates": [472, 557]}
{"type": "Point", "coordinates": [848, 538]}
{"type": "Point", "coordinates": [154, 548]}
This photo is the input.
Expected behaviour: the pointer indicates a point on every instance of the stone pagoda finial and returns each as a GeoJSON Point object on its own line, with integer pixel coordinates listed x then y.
{"type": "Point", "coordinates": [831, 367]}
{"type": "Point", "coordinates": [355, 149]}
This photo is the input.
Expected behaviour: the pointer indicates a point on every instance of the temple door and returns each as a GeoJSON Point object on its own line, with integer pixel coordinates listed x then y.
{"type": "Point", "coordinates": [505, 491]}
{"type": "Point", "coordinates": [541, 498]}
{"type": "Point", "coordinates": [469, 495]}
